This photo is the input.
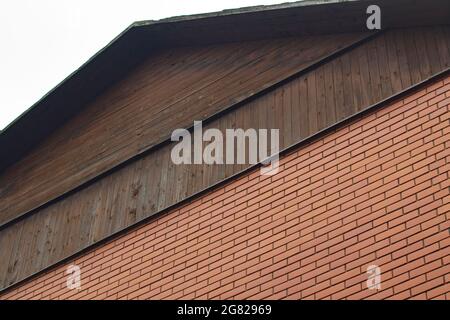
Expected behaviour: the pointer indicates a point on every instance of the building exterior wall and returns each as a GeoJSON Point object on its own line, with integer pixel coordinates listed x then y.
{"type": "Point", "coordinates": [375, 191]}
{"type": "Point", "coordinates": [354, 79]}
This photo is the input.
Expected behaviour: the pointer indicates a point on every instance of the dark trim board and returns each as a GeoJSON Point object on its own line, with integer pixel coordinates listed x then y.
{"type": "Point", "coordinates": [284, 152]}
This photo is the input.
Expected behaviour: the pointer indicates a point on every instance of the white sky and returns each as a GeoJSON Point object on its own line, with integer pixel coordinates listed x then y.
{"type": "Point", "coordinates": [43, 41]}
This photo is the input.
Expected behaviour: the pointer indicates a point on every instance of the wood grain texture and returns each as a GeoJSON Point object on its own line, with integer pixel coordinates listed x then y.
{"type": "Point", "coordinates": [168, 91]}
{"type": "Point", "coordinates": [299, 108]}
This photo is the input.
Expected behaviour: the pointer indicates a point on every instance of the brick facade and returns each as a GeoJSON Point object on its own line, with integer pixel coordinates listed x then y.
{"type": "Point", "coordinates": [373, 192]}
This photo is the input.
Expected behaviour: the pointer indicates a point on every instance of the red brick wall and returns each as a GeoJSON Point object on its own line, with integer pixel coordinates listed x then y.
{"type": "Point", "coordinates": [374, 192]}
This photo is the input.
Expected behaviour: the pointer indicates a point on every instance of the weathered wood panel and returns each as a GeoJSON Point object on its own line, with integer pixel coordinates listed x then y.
{"type": "Point", "coordinates": [317, 99]}
{"type": "Point", "coordinates": [166, 92]}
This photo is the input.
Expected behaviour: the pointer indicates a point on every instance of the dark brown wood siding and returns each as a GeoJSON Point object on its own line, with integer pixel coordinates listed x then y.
{"type": "Point", "coordinates": [301, 107]}
{"type": "Point", "coordinates": [168, 91]}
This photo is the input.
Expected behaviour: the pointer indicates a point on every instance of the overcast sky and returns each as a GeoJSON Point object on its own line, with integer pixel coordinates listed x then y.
{"type": "Point", "coordinates": [43, 41]}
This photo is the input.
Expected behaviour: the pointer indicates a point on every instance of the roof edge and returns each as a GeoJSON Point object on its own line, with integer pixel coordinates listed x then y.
{"type": "Point", "coordinates": [236, 11]}
{"type": "Point", "coordinates": [67, 78]}
{"type": "Point", "coordinates": [142, 23]}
